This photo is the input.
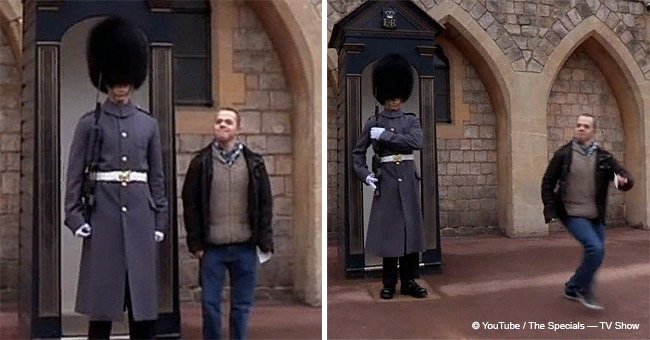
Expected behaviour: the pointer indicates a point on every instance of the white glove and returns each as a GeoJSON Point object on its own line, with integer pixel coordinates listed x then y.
{"type": "Point", "coordinates": [376, 132]}
{"type": "Point", "coordinates": [158, 236]}
{"type": "Point", "coordinates": [83, 231]}
{"type": "Point", "coordinates": [371, 180]}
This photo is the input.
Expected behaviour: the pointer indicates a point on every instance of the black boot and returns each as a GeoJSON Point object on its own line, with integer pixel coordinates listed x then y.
{"type": "Point", "coordinates": [413, 289]}
{"type": "Point", "coordinates": [387, 293]}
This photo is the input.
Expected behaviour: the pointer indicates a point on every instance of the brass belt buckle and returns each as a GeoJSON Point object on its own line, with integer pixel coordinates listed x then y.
{"type": "Point", "coordinates": [124, 176]}
{"type": "Point", "coordinates": [397, 158]}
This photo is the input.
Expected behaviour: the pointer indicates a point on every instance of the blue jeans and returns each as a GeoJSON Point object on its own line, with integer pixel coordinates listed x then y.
{"type": "Point", "coordinates": [241, 263]}
{"type": "Point", "coordinates": [591, 234]}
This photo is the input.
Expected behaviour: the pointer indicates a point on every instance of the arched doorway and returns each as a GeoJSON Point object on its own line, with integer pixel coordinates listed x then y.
{"type": "Point", "coordinates": [624, 112]}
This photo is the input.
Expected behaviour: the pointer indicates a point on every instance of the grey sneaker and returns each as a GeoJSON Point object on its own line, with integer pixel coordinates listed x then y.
{"type": "Point", "coordinates": [589, 300]}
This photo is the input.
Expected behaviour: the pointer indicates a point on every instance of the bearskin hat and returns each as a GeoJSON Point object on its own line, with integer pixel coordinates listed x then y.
{"type": "Point", "coordinates": [118, 50]}
{"type": "Point", "coordinates": [392, 78]}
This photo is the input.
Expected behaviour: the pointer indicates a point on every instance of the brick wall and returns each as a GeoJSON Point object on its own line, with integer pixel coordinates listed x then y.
{"type": "Point", "coordinates": [27, 162]}
{"type": "Point", "coordinates": [467, 168]}
{"type": "Point", "coordinates": [580, 87]}
{"type": "Point", "coordinates": [9, 170]}
{"type": "Point", "coordinates": [527, 31]}
{"type": "Point", "coordinates": [266, 128]}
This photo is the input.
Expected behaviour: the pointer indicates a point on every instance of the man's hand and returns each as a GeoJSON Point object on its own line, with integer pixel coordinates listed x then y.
{"type": "Point", "coordinates": [198, 254]}
{"type": "Point", "coordinates": [622, 183]}
{"type": "Point", "coordinates": [376, 132]}
{"type": "Point", "coordinates": [158, 236]}
{"type": "Point", "coordinates": [371, 180]}
{"type": "Point", "coordinates": [83, 231]}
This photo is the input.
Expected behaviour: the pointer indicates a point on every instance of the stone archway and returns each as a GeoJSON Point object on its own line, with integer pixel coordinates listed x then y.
{"type": "Point", "coordinates": [632, 93]}
{"type": "Point", "coordinates": [297, 41]}
{"type": "Point", "coordinates": [474, 43]}
{"type": "Point", "coordinates": [11, 24]}
{"type": "Point", "coordinates": [265, 61]}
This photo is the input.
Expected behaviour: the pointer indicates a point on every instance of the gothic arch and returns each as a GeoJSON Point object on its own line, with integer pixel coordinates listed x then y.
{"type": "Point", "coordinates": [11, 27]}
{"type": "Point", "coordinates": [631, 91]}
{"type": "Point", "coordinates": [297, 42]}
{"type": "Point", "coordinates": [493, 68]}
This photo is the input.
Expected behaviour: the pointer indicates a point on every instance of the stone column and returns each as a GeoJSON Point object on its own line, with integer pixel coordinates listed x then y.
{"type": "Point", "coordinates": [528, 152]}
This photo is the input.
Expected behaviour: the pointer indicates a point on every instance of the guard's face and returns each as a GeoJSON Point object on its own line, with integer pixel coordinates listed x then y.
{"type": "Point", "coordinates": [584, 130]}
{"type": "Point", "coordinates": [225, 126]}
{"type": "Point", "coordinates": [120, 93]}
{"type": "Point", "coordinates": [393, 104]}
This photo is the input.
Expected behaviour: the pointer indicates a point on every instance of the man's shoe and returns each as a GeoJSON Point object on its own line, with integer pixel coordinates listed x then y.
{"type": "Point", "coordinates": [387, 293]}
{"type": "Point", "coordinates": [589, 300]}
{"type": "Point", "coordinates": [413, 289]}
{"type": "Point", "coordinates": [571, 294]}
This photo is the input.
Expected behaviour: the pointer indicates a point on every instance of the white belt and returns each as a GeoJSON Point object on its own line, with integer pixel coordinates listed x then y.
{"type": "Point", "coordinates": [397, 158]}
{"type": "Point", "coordinates": [119, 176]}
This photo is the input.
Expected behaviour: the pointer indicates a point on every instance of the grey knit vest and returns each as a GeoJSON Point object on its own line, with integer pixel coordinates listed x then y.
{"type": "Point", "coordinates": [229, 203]}
{"type": "Point", "coordinates": [580, 198]}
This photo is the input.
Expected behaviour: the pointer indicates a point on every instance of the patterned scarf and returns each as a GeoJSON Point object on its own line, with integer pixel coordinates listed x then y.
{"type": "Point", "coordinates": [586, 149]}
{"type": "Point", "coordinates": [227, 157]}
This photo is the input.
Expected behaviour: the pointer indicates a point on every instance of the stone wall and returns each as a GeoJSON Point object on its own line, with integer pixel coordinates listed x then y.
{"type": "Point", "coordinates": [266, 128]}
{"type": "Point", "coordinates": [467, 168]}
{"type": "Point", "coordinates": [27, 162]}
{"type": "Point", "coordinates": [527, 31]}
{"type": "Point", "coordinates": [9, 170]}
{"type": "Point", "coordinates": [581, 87]}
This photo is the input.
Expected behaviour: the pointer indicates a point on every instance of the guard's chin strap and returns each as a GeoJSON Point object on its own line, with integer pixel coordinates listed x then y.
{"type": "Point", "coordinates": [99, 86]}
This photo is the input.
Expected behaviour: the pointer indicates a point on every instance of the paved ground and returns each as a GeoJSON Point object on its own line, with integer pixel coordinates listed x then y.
{"type": "Point", "coordinates": [270, 320]}
{"type": "Point", "coordinates": [496, 279]}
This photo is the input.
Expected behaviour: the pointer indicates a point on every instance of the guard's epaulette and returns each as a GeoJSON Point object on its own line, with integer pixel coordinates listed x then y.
{"type": "Point", "coordinates": [409, 113]}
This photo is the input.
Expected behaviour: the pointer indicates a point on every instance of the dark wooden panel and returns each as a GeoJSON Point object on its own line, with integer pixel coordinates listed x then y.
{"type": "Point", "coordinates": [47, 148]}
{"type": "Point", "coordinates": [353, 109]}
{"type": "Point", "coordinates": [162, 107]}
{"type": "Point", "coordinates": [429, 166]}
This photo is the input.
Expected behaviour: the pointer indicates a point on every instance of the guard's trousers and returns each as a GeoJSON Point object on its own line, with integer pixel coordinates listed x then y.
{"type": "Point", "coordinates": [408, 269]}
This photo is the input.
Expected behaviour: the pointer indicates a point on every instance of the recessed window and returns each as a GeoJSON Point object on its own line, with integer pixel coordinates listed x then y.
{"type": "Point", "coordinates": [441, 101]}
{"type": "Point", "coordinates": [192, 58]}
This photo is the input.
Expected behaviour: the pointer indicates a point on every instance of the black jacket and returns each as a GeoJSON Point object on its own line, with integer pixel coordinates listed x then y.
{"type": "Point", "coordinates": [196, 200]}
{"type": "Point", "coordinates": [554, 182]}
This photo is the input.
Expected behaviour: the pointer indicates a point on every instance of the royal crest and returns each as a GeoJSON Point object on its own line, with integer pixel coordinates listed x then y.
{"type": "Point", "coordinates": [389, 21]}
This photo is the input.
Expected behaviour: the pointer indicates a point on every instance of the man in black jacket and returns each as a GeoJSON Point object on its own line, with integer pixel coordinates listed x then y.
{"type": "Point", "coordinates": [574, 190]}
{"type": "Point", "coordinates": [227, 209]}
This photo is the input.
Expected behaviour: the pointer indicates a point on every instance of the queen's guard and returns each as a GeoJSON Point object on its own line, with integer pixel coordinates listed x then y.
{"type": "Point", "coordinates": [115, 196]}
{"type": "Point", "coordinates": [395, 227]}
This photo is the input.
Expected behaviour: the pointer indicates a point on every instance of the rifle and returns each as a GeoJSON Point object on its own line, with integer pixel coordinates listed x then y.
{"type": "Point", "coordinates": [91, 159]}
{"type": "Point", "coordinates": [376, 159]}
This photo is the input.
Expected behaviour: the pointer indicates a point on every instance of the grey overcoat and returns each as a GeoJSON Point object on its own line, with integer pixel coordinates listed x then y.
{"type": "Point", "coordinates": [395, 227]}
{"type": "Point", "coordinates": [124, 218]}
